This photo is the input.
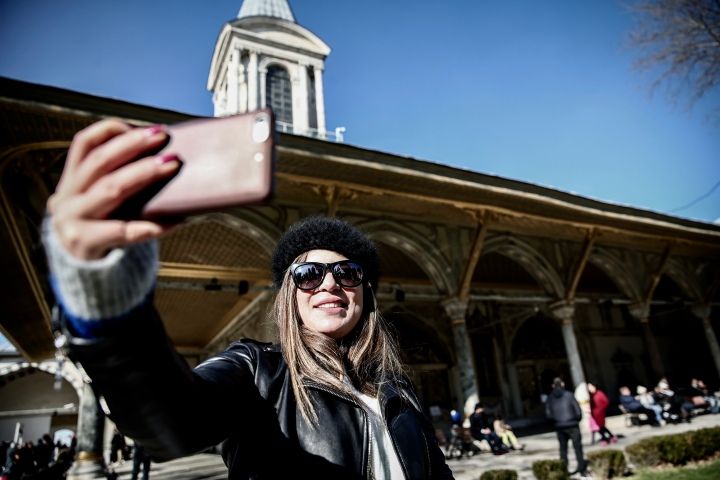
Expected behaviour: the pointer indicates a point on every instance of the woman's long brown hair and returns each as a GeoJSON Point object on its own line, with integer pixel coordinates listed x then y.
{"type": "Point", "coordinates": [368, 356]}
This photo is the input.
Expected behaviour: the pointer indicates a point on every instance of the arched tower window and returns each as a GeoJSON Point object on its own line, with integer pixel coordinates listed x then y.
{"type": "Point", "coordinates": [278, 93]}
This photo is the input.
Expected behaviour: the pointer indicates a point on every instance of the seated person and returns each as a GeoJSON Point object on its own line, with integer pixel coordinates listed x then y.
{"type": "Point", "coordinates": [504, 431]}
{"type": "Point", "coordinates": [481, 429]}
{"type": "Point", "coordinates": [633, 405]}
{"type": "Point", "coordinates": [703, 398]}
{"type": "Point", "coordinates": [673, 403]}
{"type": "Point", "coordinates": [648, 401]}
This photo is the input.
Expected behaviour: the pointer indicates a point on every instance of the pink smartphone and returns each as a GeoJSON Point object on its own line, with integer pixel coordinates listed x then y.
{"type": "Point", "coordinates": [227, 161]}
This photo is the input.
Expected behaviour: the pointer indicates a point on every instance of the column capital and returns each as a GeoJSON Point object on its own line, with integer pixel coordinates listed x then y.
{"type": "Point", "coordinates": [701, 310]}
{"type": "Point", "coordinates": [456, 308]}
{"type": "Point", "coordinates": [640, 311]}
{"type": "Point", "coordinates": [563, 311]}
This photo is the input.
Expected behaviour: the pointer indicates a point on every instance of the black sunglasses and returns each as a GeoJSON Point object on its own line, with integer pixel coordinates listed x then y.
{"type": "Point", "coordinates": [310, 275]}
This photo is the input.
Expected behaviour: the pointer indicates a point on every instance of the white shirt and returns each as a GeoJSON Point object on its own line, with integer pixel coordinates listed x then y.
{"type": "Point", "coordinates": [383, 458]}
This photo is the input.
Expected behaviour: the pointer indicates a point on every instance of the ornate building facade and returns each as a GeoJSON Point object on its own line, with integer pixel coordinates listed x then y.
{"type": "Point", "coordinates": [493, 286]}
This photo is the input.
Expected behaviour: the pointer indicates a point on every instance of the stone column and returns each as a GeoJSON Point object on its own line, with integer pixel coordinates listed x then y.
{"type": "Point", "coordinates": [319, 101]}
{"type": "Point", "coordinates": [565, 312]}
{"type": "Point", "coordinates": [89, 463]}
{"type": "Point", "coordinates": [641, 312]}
{"type": "Point", "coordinates": [515, 390]}
{"type": "Point", "coordinates": [233, 84]}
{"type": "Point", "coordinates": [253, 82]}
{"type": "Point", "coordinates": [301, 97]}
{"type": "Point", "coordinates": [456, 309]}
{"type": "Point", "coordinates": [702, 311]}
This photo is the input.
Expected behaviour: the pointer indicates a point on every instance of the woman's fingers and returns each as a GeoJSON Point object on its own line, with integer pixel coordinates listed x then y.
{"type": "Point", "coordinates": [83, 143]}
{"type": "Point", "coordinates": [91, 137]}
{"type": "Point", "coordinates": [110, 191]}
{"type": "Point", "coordinates": [115, 153]}
{"type": "Point", "coordinates": [92, 239]}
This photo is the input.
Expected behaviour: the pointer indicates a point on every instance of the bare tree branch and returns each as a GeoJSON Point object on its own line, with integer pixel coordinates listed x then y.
{"type": "Point", "coordinates": [681, 38]}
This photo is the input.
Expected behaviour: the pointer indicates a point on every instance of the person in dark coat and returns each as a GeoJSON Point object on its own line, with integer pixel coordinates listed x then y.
{"type": "Point", "coordinates": [140, 458]}
{"type": "Point", "coordinates": [633, 405]}
{"type": "Point", "coordinates": [481, 428]}
{"type": "Point", "coordinates": [330, 400]}
{"type": "Point", "coordinates": [562, 408]}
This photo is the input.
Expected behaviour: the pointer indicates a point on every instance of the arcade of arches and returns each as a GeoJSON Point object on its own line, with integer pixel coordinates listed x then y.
{"type": "Point", "coordinates": [492, 286]}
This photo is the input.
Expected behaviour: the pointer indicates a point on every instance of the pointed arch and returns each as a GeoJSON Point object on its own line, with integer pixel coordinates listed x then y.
{"type": "Point", "coordinates": [260, 230]}
{"type": "Point", "coordinates": [617, 271]}
{"type": "Point", "coordinates": [425, 253]}
{"type": "Point", "coordinates": [67, 371]}
{"type": "Point", "coordinates": [530, 259]}
{"type": "Point", "coordinates": [686, 279]}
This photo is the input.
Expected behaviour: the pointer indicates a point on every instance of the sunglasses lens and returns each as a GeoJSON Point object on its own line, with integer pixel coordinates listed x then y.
{"type": "Point", "coordinates": [348, 274]}
{"type": "Point", "coordinates": [308, 275]}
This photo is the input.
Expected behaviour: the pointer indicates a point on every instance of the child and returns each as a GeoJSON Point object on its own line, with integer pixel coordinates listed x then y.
{"type": "Point", "coordinates": [504, 431]}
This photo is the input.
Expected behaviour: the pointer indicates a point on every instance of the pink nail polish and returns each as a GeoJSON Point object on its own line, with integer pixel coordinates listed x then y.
{"type": "Point", "coordinates": [155, 129]}
{"type": "Point", "coordinates": [167, 158]}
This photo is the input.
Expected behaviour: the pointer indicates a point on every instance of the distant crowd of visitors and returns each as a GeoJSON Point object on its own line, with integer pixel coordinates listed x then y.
{"type": "Point", "coordinates": [663, 405]}
{"type": "Point", "coordinates": [42, 460]}
{"type": "Point", "coordinates": [485, 429]}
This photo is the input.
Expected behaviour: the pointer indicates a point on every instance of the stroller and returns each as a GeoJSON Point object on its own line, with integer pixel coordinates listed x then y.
{"type": "Point", "coordinates": [460, 443]}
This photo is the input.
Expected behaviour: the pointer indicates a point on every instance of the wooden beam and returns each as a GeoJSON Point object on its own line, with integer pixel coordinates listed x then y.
{"type": "Point", "coordinates": [207, 272]}
{"type": "Point", "coordinates": [475, 251]}
{"type": "Point", "coordinates": [655, 280]}
{"type": "Point", "coordinates": [239, 314]}
{"type": "Point", "coordinates": [580, 265]}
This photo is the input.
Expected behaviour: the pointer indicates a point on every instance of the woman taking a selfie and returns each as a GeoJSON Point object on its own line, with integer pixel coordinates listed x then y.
{"type": "Point", "coordinates": [329, 401]}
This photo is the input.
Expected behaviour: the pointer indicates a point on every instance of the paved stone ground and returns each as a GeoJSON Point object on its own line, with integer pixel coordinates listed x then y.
{"type": "Point", "coordinates": [543, 446]}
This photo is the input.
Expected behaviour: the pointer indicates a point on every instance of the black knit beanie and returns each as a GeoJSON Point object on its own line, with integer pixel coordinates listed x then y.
{"type": "Point", "coordinates": [325, 233]}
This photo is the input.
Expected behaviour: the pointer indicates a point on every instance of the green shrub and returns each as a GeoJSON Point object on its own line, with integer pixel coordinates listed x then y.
{"type": "Point", "coordinates": [499, 474]}
{"type": "Point", "coordinates": [676, 449]}
{"type": "Point", "coordinates": [705, 443]}
{"type": "Point", "coordinates": [646, 452]}
{"type": "Point", "coordinates": [550, 470]}
{"type": "Point", "coordinates": [607, 463]}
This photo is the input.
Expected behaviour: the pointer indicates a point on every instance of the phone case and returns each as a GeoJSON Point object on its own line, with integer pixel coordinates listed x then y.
{"type": "Point", "coordinates": [227, 161]}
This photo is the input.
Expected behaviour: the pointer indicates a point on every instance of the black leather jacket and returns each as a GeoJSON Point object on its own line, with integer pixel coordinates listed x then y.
{"type": "Point", "coordinates": [243, 399]}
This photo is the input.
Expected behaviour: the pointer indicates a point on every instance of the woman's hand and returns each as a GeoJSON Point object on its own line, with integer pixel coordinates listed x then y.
{"type": "Point", "coordinates": [99, 175]}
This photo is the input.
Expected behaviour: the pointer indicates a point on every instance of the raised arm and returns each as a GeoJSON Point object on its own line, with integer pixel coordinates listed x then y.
{"type": "Point", "coordinates": [103, 273]}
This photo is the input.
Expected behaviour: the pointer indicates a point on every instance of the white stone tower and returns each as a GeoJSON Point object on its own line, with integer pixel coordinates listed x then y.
{"type": "Point", "coordinates": [264, 58]}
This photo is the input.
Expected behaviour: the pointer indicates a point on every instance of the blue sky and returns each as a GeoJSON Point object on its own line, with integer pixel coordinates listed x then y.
{"type": "Point", "coordinates": [542, 92]}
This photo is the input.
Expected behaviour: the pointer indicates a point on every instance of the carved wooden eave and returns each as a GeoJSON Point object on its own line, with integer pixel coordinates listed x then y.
{"type": "Point", "coordinates": [313, 176]}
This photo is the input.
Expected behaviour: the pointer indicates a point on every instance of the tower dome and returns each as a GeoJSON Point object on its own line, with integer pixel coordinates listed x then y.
{"type": "Point", "coordinates": [267, 8]}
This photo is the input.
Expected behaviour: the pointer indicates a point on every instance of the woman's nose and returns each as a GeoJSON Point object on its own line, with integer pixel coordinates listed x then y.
{"type": "Point", "coordinates": [328, 282]}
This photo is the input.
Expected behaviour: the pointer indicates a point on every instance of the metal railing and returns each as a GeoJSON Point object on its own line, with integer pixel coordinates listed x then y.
{"type": "Point", "coordinates": [337, 136]}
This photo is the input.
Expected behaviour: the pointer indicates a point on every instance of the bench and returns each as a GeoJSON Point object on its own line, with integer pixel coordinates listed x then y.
{"type": "Point", "coordinates": [633, 419]}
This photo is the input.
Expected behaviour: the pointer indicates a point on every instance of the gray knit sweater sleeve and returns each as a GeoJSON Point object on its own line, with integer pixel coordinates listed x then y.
{"type": "Point", "coordinates": [92, 290]}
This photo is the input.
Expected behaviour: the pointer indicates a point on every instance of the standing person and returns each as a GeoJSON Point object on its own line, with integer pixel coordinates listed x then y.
{"type": "Point", "coordinates": [564, 410]}
{"type": "Point", "coordinates": [331, 400]}
{"type": "Point", "coordinates": [140, 458]}
{"type": "Point", "coordinates": [598, 405]}
{"type": "Point", "coordinates": [117, 447]}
